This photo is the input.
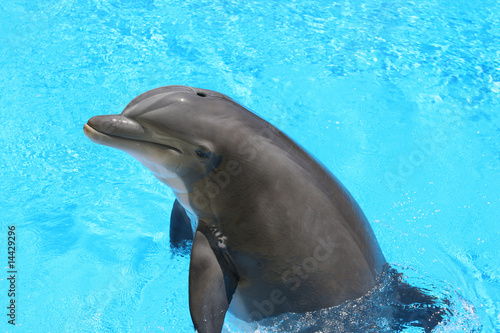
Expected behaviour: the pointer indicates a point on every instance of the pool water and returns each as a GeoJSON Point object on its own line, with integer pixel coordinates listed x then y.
{"type": "Point", "coordinates": [400, 99]}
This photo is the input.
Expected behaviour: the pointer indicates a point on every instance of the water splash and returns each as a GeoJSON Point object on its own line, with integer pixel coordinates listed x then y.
{"type": "Point", "coordinates": [400, 303]}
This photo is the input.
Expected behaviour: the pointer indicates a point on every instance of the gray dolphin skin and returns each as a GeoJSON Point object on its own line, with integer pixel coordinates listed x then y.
{"type": "Point", "coordinates": [273, 230]}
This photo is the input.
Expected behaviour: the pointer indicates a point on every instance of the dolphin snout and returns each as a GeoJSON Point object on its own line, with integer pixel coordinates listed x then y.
{"type": "Point", "coordinates": [117, 125]}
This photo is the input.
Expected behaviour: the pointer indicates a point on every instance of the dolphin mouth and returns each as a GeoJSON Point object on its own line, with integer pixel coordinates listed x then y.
{"type": "Point", "coordinates": [102, 133]}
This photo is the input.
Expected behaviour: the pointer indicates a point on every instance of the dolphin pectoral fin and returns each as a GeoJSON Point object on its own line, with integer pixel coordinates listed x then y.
{"type": "Point", "coordinates": [211, 286]}
{"type": "Point", "coordinates": [180, 226]}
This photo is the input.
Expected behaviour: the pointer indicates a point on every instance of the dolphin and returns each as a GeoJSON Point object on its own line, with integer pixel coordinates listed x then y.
{"type": "Point", "coordinates": [273, 230]}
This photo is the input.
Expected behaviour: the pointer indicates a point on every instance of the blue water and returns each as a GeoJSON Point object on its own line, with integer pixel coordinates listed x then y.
{"type": "Point", "coordinates": [400, 99]}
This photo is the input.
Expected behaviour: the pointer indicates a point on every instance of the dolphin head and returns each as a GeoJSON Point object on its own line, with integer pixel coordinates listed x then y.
{"type": "Point", "coordinates": [174, 131]}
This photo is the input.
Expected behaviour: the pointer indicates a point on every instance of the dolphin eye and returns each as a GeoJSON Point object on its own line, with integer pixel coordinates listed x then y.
{"type": "Point", "coordinates": [202, 154]}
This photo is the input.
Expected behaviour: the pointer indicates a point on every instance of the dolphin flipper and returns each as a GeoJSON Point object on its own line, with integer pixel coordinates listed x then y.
{"type": "Point", "coordinates": [180, 226]}
{"type": "Point", "coordinates": [212, 283]}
